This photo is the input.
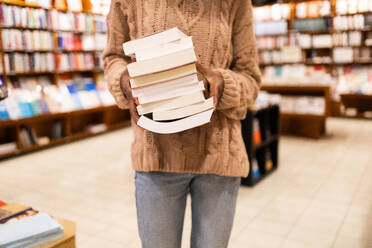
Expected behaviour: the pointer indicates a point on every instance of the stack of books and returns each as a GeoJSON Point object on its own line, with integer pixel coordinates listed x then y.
{"type": "Point", "coordinates": [164, 79]}
{"type": "Point", "coordinates": [21, 226]}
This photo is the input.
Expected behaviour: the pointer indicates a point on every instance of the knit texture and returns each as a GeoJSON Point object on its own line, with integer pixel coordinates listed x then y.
{"type": "Point", "coordinates": [223, 36]}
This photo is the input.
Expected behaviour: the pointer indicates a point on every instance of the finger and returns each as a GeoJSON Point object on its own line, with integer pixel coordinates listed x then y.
{"type": "Point", "coordinates": [200, 68]}
{"type": "Point", "coordinates": [133, 111]}
{"type": "Point", "coordinates": [136, 101]}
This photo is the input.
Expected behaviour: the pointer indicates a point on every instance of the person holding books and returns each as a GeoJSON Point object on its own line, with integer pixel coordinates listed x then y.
{"type": "Point", "coordinates": [206, 162]}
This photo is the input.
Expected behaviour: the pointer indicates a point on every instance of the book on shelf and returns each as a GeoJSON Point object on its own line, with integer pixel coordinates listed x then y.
{"type": "Point", "coordinates": [74, 5]}
{"type": "Point", "coordinates": [57, 130]}
{"type": "Point", "coordinates": [268, 161]}
{"type": "Point", "coordinates": [164, 79]}
{"type": "Point", "coordinates": [256, 135]}
{"type": "Point", "coordinates": [15, 16]}
{"type": "Point", "coordinates": [255, 169]}
{"type": "Point", "coordinates": [8, 148]}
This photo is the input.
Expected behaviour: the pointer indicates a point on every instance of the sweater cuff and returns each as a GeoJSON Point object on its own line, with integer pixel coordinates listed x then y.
{"type": "Point", "coordinates": [115, 89]}
{"type": "Point", "coordinates": [230, 97]}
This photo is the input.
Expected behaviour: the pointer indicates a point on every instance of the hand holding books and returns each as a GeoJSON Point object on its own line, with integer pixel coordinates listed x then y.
{"type": "Point", "coordinates": [214, 81]}
{"type": "Point", "coordinates": [127, 90]}
{"type": "Point", "coordinates": [163, 82]}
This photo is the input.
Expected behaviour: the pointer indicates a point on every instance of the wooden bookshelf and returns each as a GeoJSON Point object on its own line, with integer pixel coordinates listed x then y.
{"type": "Point", "coordinates": [361, 103]}
{"type": "Point", "coordinates": [331, 67]}
{"type": "Point", "coordinates": [73, 127]}
{"type": "Point", "coordinates": [305, 125]}
{"type": "Point", "coordinates": [73, 123]}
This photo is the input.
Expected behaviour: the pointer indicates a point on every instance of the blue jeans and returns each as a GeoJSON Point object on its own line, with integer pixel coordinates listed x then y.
{"type": "Point", "coordinates": [161, 202]}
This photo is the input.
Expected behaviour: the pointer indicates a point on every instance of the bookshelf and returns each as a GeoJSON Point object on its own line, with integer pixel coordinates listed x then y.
{"type": "Point", "coordinates": [262, 152]}
{"type": "Point", "coordinates": [332, 36]}
{"type": "Point", "coordinates": [72, 43]}
{"type": "Point", "coordinates": [298, 120]}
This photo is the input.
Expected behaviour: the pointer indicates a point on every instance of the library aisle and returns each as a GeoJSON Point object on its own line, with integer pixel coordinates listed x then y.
{"type": "Point", "coordinates": [320, 196]}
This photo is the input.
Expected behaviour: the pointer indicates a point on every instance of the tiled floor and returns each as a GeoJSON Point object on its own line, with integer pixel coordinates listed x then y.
{"type": "Point", "coordinates": [320, 197]}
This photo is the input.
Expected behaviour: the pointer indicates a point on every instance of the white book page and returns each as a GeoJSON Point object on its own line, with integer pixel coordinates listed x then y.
{"type": "Point", "coordinates": [168, 94]}
{"type": "Point", "coordinates": [164, 49]}
{"type": "Point", "coordinates": [161, 87]}
{"type": "Point", "coordinates": [183, 112]}
{"type": "Point", "coordinates": [175, 126]}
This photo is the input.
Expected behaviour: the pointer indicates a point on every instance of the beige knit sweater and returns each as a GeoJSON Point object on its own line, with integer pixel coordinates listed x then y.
{"type": "Point", "coordinates": [222, 32]}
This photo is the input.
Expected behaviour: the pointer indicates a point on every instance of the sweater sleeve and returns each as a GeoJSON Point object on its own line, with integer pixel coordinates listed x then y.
{"type": "Point", "coordinates": [242, 81]}
{"type": "Point", "coordinates": [115, 61]}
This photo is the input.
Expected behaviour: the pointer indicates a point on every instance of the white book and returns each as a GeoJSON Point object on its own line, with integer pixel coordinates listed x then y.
{"type": "Point", "coordinates": [168, 85]}
{"type": "Point", "coordinates": [34, 227]}
{"type": "Point", "coordinates": [163, 63]}
{"type": "Point", "coordinates": [175, 126]}
{"type": "Point", "coordinates": [180, 113]}
{"type": "Point", "coordinates": [161, 77]}
{"type": "Point", "coordinates": [173, 103]}
{"type": "Point", "coordinates": [164, 49]}
{"type": "Point", "coordinates": [173, 34]}
{"type": "Point", "coordinates": [167, 94]}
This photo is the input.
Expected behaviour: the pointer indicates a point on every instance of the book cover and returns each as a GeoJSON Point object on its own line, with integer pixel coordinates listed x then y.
{"type": "Point", "coordinates": [167, 36]}
{"type": "Point", "coordinates": [162, 63]}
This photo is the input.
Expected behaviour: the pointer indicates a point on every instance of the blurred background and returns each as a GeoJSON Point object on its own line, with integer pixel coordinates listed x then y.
{"type": "Point", "coordinates": [65, 146]}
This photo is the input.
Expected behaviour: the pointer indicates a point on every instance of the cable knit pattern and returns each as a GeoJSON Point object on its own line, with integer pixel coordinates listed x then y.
{"type": "Point", "coordinates": [222, 32]}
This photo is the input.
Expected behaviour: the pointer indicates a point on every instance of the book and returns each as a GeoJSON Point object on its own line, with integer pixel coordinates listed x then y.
{"type": "Point", "coordinates": [164, 49]}
{"type": "Point", "coordinates": [162, 63]}
{"type": "Point", "coordinates": [256, 132]}
{"type": "Point", "coordinates": [153, 40]}
{"type": "Point", "coordinates": [32, 231]}
{"type": "Point", "coordinates": [175, 126]}
{"type": "Point", "coordinates": [165, 76]}
{"type": "Point", "coordinates": [11, 210]}
{"type": "Point", "coordinates": [180, 113]}
{"type": "Point", "coordinates": [171, 93]}
{"type": "Point", "coordinates": [165, 86]}
{"type": "Point", "coordinates": [173, 103]}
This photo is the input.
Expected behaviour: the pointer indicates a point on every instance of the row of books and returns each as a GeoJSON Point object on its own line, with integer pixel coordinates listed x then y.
{"type": "Point", "coordinates": [302, 105]}
{"type": "Point", "coordinates": [312, 24]}
{"type": "Point", "coordinates": [313, 9]}
{"type": "Point", "coordinates": [352, 22]}
{"type": "Point", "coordinates": [287, 54]}
{"type": "Point", "coordinates": [278, 12]}
{"type": "Point", "coordinates": [344, 7]}
{"type": "Point", "coordinates": [349, 55]}
{"type": "Point", "coordinates": [271, 28]}
{"type": "Point", "coordinates": [68, 21]}
{"type": "Point", "coordinates": [275, 12]}
{"type": "Point", "coordinates": [14, 16]}
{"type": "Point", "coordinates": [274, 42]}
{"type": "Point", "coordinates": [353, 38]}
{"type": "Point", "coordinates": [24, 17]}
{"type": "Point", "coordinates": [36, 96]}
{"type": "Point", "coordinates": [74, 62]}
{"type": "Point", "coordinates": [75, 42]}
{"type": "Point", "coordinates": [354, 80]}
{"type": "Point", "coordinates": [28, 227]}
{"type": "Point", "coordinates": [29, 62]}
{"type": "Point", "coordinates": [297, 74]}
{"type": "Point", "coordinates": [15, 39]}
